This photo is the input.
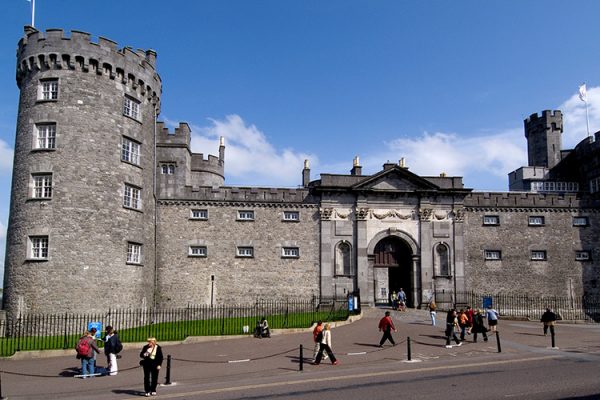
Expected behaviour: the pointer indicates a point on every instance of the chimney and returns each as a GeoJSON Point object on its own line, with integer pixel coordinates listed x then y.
{"type": "Point", "coordinates": [306, 174]}
{"type": "Point", "coordinates": [356, 168]}
{"type": "Point", "coordinates": [222, 148]}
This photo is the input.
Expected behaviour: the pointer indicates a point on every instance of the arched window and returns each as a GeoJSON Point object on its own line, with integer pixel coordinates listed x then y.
{"type": "Point", "coordinates": [442, 260]}
{"type": "Point", "coordinates": [343, 259]}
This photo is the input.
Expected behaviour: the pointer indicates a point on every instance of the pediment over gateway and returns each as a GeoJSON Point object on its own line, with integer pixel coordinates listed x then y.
{"type": "Point", "coordinates": [396, 179]}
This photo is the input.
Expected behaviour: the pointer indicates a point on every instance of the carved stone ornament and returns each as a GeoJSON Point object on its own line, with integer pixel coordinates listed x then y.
{"type": "Point", "coordinates": [440, 215]}
{"type": "Point", "coordinates": [390, 214]}
{"type": "Point", "coordinates": [362, 213]}
{"type": "Point", "coordinates": [459, 215]}
{"type": "Point", "coordinates": [425, 214]}
{"type": "Point", "coordinates": [343, 214]}
{"type": "Point", "coordinates": [326, 213]}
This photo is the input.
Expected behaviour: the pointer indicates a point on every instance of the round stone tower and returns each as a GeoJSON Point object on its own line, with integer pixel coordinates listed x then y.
{"type": "Point", "coordinates": [81, 234]}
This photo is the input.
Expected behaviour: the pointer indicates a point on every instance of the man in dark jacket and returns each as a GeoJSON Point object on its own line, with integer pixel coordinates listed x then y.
{"type": "Point", "coordinates": [112, 346]}
{"type": "Point", "coordinates": [549, 319]}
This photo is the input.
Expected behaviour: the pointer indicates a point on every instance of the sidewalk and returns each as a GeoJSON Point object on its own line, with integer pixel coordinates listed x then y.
{"type": "Point", "coordinates": [243, 358]}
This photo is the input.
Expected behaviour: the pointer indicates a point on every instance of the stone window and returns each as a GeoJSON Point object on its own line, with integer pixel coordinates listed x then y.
{"type": "Point", "coordinates": [491, 220]}
{"type": "Point", "coordinates": [442, 260]}
{"type": "Point", "coordinates": [492, 255]}
{"type": "Point", "coordinates": [199, 214]}
{"type": "Point", "coordinates": [197, 251]}
{"type": "Point", "coordinates": [130, 151]}
{"type": "Point", "coordinates": [42, 186]}
{"type": "Point", "coordinates": [131, 108]}
{"type": "Point", "coordinates": [245, 215]}
{"type": "Point", "coordinates": [581, 221]}
{"type": "Point", "coordinates": [538, 255]}
{"type": "Point", "coordinates": [343, 259]}
{"type": "Point", "coordinates": [595, 185]}
{"type": "Point", "coordinates": [132, 197]}
{"type": "Point", "coordinates": [45, 136]}
{"type": "Point", "coordinates": [48, 89]}
{"type": "Point", "coordinates": [38, 248]}
{"type": "Point", "coordinates": [536, 220]}
{"type": "Point", "coordinates": [245, 251]}
{"type": "Point", "coordinates": [583, 255]}
{"type": "Point", "coordinates": [291, 216]}
{"type": "Point", "coordinates": [167, 169]}
{"type": "Point", "coordinates": [290, 252]}
{"type": "Point", "coordinates": [134, 253]}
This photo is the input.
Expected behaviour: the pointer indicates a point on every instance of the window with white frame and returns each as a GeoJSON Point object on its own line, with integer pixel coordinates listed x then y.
{"type": "Point", "coordinates": [293, 216]}
{"type": "Point", "coordinates": [538, 255]}
{"type": "Point", "coordinates": [130, 151]}
{"type": "Point", "coordinates": [595, 185]}
{"type": "Point", "coordinates": [491, 255]}
{"type": "Point", "coordinates": [536, 220]}
{"type": "Point", "coordinates": [290, 252]}
{"type": "Point", "coordinates": [197, 251]}
{"type": "Point", "coordinates": [167, 169]}
{"type": "Point", "coordinates": [581, 221]}
{"type": "Point", "coordinates": [42, 186]}
{"type": "Point", "coordinates": [582, 255]}
{"type": "Point", "coordinates": [199, 214]}
{"type": "Point", "coordinates": [245, 251]}
{"type": "Point", "coordinates": [132, 197]}
{"type": "Point", "coordinates": [491, 220]}
{"type": "Point", "coordinates": [134, 253]}
{"type": "Point", "coordinates": [131, 108]}
{"type": "Point", "coordinates": [245, 215]}
{"type": "Point", "coordinates": [38, 247]}
{"type": "Point", "coordinates": [45, 136]}
{"type": "Point", "coordinates": [48, 89]}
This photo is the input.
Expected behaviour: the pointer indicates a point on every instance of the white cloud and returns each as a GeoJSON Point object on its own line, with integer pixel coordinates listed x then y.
{"type": "Point", "coordinates": [249, 157]}
{"type": "Point", "coordinates": [2, 231]}
{"type": "Point", "coordinates": [6, 156]}
{"type": "Point", "coordinates": [574, 119]}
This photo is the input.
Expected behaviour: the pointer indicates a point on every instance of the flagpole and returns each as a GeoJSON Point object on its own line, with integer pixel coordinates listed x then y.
{"type": "Point", "coordinates": [587, 118]}
{"type": "Point", "coordinates": [33, 13]}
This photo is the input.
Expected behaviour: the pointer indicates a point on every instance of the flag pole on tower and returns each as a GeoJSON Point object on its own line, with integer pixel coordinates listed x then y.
{"type": "Point", "coordinates": [582, 97]}
{"type": "Point", "coordinates": [32, 12]}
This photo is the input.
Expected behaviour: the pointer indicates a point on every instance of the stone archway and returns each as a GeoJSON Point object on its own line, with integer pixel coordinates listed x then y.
{"type": "Point", "coordinates": [394, 263]}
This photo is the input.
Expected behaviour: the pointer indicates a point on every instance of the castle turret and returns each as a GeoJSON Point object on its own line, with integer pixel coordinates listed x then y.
{"type": "Point", "coordinates": [543, 135]}
{"type": "Point", "coordinates": [82, 208]}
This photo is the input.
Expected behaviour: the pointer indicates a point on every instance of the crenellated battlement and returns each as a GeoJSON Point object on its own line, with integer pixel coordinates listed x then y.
{"type": "Point", "coordinates": [236, 196]}
{"type": "Point", "coordinates": [512, 200]}
{"type": "Point", "coordinates": [549, 119]}
{"type": "Point", "coordinates": [181, 135]}
{"type": "Point", "coordinates": [55, 51]}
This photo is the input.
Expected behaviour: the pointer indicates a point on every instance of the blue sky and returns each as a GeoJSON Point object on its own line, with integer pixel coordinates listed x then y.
{"type": "Point", "coordinates": [444, 84]}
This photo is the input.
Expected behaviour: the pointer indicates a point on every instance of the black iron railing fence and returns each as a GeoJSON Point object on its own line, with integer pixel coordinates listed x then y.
{"type": "Point", "coordinates": [61, 331]}
{"type": "Point", "coordinates": [583, 308]}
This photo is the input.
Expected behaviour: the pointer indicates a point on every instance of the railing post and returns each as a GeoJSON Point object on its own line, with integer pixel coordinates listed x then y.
{"type": "Point", "coordinates": [408, 352]}
{"type": "Point", "coordinates": [301, 363]}
{"type": "Point", "coordinates": [553, 341]}
{"type": "Point", "coordinates": [498, 342]}
{"type": "Point", "coordinates": [168, 377]}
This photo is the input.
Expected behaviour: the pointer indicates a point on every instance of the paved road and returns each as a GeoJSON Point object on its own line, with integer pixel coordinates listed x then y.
{"type": "Point", "coordinates": [262, 368]}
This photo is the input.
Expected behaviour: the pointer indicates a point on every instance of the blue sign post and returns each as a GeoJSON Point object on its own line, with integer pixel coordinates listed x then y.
{"type": "Point", "coordinates": [98, 326]}
{"type": "Point", "coordinates": [350, 303]}
{"type": "Point", "coordinates": [487, 302]}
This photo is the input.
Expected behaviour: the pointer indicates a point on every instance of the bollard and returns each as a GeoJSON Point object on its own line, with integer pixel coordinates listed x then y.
{"type": "Point", "coordinates": [168, 377]}
{"type": "Point", "coordinates": [301, 364]}
{"type": "Point", "coordinates": [408, 348]}
{"type": "Point", "coordinates": [498, 342]}
{"type": "Point", "coordinates": [553, 341]}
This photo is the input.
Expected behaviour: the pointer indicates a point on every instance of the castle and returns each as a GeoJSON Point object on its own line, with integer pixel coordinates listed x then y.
{"type": "Point", "coordinates": [110, 209]}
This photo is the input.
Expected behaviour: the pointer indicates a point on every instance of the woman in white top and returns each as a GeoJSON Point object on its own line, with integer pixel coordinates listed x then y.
{"type": "Point", "coordinates": [326, 346]}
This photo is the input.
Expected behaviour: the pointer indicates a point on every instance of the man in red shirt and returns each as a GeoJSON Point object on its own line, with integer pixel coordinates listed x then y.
{"type": "Point", "coordinates": [386, 325]}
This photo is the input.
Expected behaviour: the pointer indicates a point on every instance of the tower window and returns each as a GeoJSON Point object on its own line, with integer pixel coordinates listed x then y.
{"type": "Point", "coordinates": [199, 214]}
{"type": "Point", "coordinates": [134, 253]}
{"type": "Point", "coordinates": [582, 255]}
{"type": "Point", "coordinates": [48, 89]}
{"type": "Point", "coordinates": [491, 220]}
{"type": "Point", "coordinates": [167, 169]}
{"type": "Point", "coordinates": [290, 252]}
{"type": "Point", "coordinates": [197, 251]}
{"type": "Point", "coordinates": [38, 247]}
{"type": "Point", "coordinates": [492, 255]}
{"type": "Point", "coordinates": [131, 108]}
{"type": "Point", "coordinates": [130, 151]}
{"type": "Point", "coordinates": [581, 221]}
{"type": "Point", "coordinates": [293, 216]}
{"type": "Point", "coordinates": [42, 186]}
{"type": "Point", "coordinates": [245, 215]}
{"type": "Point", "coordinates": [536, 221]}
{"type": "Point", "coordinates": [45, 136]}
{"type": "Point", "coordinates": [247, 252]}
{"type": "Point", "coordinates": [538, 255]}
{"type": "Point", "coordinates": [132, 197]}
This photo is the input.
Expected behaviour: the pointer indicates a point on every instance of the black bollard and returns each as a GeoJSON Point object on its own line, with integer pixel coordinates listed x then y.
{"type": "Point", "coordinates": [168, 377]}
{"type": "Point", "coordinates": [408, 348]}
{"type": "Point", "coordinates": [498, 342]}
{"type": "Point", "coordinates": [301, 364]}
{"type": "Point", "coordinates": [552, 335]}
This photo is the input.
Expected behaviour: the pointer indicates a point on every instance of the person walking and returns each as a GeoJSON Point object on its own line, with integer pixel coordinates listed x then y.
{"type": "Point", "coordinates": [317, 337]}
{"type": "Point", "coordinates": [112, 347]}
{"type": "Point", "coordinates": [478, 326]}
{"type": "Point", "coordinates": [451, 323]}
{"type": "Point", "coordinates": [394, 299]}
{"type": "Point", "coordinates": [401, 300]}
{"type": "Point", "coordinates": [432, 311]}
{"type": "Point", "coordinates": [492, 317]}
{"type": "Point", "coordinates": [470, 313]}
{"type": "Point", "coordinates": [386, 326]}
{"type": "Point", "coordinates": [463, 322]}
{"type": "Point", "coordinates": [152, 358]}
{"type": "Point", "coordinates": [326, 347]}
{"type": "Point", "coordinates": [86, 350]}
{"type": "Point", "coordinates": [549, 320]}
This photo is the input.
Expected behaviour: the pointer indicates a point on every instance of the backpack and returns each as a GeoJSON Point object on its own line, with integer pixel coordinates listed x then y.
{"type": "Point", "coordinates": [83, 347]}
{"type": "Point", "coordinates": [118, 346]}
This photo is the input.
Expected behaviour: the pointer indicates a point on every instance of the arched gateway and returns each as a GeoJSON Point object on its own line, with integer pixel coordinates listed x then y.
{"type": "Point", "coordinates": [394, 264]}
